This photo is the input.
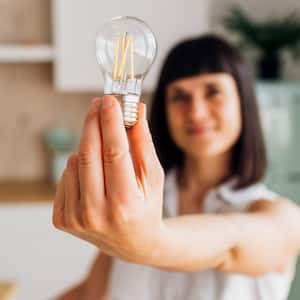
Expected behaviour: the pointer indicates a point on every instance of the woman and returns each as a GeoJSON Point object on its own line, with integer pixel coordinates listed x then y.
{"type": "Point", "coordinates": [224, 235]}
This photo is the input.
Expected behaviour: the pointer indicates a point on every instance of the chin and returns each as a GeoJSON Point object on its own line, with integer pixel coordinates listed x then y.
{"type": "Point", "coordinates": [203, 153]}
{"type": "Point", "coordinates": [204, 150]}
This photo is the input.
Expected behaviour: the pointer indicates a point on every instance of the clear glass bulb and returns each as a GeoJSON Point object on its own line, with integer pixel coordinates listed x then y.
{"type": "Point", "coordinates": [125, 49]}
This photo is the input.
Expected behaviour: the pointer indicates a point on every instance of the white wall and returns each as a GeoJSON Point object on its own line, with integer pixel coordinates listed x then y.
{"type": "Point", "coordinates": [42, 260]}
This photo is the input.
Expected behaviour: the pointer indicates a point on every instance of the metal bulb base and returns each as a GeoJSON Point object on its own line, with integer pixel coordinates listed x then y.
{"type": "Point", "coordinates": [129, 105]}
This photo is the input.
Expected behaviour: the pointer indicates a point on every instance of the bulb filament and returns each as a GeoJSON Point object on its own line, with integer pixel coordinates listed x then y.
{"type": "Point", "coordinates": [126, 44]}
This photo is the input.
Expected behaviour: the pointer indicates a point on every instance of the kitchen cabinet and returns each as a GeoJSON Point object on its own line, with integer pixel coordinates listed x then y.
{"type": "Point", "coordinates": [75, 24]}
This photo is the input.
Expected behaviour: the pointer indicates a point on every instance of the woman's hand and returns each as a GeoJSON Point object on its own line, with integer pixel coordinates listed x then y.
{"type": "Point", "coordinates": [111, 191]}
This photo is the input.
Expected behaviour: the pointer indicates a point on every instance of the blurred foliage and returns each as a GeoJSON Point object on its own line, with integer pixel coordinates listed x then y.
{"type": "Point", "coordinates": [270, 36]}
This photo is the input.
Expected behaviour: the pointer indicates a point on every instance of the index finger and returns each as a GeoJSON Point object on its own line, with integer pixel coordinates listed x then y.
{"type": "Point", "coordinates": [120, 180]}
{"type": "Point", "coordinates": [89, 157]}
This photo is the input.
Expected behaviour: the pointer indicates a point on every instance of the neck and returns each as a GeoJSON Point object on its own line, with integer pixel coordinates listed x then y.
{"type": "Point", "coordinates": [205, 172]}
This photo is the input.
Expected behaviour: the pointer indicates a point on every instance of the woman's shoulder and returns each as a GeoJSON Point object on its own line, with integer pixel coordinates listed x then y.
{"type": "Point", "coordinates": [243, 197]}
{"type": "Point", "coordinates": [224, 197]}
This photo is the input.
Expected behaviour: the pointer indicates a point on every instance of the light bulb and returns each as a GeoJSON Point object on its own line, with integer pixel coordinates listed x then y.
{"type": "Point", "coordinates": [125, 50]}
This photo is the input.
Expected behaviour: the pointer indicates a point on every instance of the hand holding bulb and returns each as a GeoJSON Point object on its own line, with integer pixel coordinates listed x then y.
{"type": "Point", "coordinates": [109, 196]}
{"type": "Point", "coordinates": [125, 50]}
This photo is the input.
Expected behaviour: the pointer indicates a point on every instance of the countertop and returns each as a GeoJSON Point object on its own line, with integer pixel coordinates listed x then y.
{"type": "Point", "coordinates": [26, 191]}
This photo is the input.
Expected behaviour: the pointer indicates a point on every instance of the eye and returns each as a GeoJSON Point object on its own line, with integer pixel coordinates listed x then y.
{"type": "Point", "coordinates": [179, 96]}
{"type": "Point", "coordinates": [212, 91]}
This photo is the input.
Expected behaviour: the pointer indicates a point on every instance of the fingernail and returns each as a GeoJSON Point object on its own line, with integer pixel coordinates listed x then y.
{"type": "Point", "coordinates": [106, 102]}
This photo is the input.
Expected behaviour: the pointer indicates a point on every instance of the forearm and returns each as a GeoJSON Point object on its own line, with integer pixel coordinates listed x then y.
{"type": "Point", "coordinates": [94, 286]}
{"type": "Point", "coordinates": [98, 278]}
{"type": "Point", "coordinates": [265, 239]}
{"type": "Point", "coordinates": [195, 242]}
{"type": "Point", "coordinates": [75, 293]}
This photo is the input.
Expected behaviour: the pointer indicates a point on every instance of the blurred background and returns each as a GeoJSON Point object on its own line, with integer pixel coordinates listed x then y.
{"type": "Point", "coordinates": [49, 74]}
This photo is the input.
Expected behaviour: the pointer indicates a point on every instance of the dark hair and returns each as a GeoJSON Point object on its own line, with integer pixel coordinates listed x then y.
{"type": "Point", "coordinates": [211, 54]}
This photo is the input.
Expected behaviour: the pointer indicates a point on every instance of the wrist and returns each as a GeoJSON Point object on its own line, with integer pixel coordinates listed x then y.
{"type": "Point", "coordinates": [160, 251]}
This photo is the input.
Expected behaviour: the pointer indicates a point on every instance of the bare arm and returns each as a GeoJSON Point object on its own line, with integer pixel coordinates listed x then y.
{"type": "Point", "coordinates": [124, 185]}
{"type": "Point", "coordinates": [75, 293]}
{"type": "Point", "coordinates": [94, 287]}
{"type": "Point", "coordinates": [265, 239]}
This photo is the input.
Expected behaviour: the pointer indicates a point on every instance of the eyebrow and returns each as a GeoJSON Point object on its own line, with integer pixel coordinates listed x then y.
{"type": "Point", "coordinates": [212, 83]}
{"type": "Point", "coordinates": [178, 89]}
{"type": "Point", "coordinates": [209, 84]}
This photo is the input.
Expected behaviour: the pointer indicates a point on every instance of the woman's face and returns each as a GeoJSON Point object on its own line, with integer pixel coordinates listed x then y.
{"type": "Point", "coordinates": [204, 114]}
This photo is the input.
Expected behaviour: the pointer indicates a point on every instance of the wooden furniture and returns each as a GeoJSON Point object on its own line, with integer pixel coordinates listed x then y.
{"type": "Point", "coordinates": [7, 290]}
{"type": "Point", "coordinates": [26, 191]}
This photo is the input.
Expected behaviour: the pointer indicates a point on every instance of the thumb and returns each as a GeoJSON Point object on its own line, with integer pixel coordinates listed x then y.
{"type": "Point", "coordinates": [144, 157]}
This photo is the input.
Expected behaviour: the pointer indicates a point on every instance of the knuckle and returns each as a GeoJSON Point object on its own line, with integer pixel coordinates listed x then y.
{"type": "Point", "coordinates": [72, 223]}
{"type": "Point", "coordinates": [124, 214]}
{"type": "Point", "coordinates": [112, 154]}
{"type": "Point", "coordinates": [86, 156]}
{"type": "Point", "coordinates": [90, 222]}
{"type": "Point", "coordinates": [117, 217]}
{"type": "Point", "coordinates": [92, 113]}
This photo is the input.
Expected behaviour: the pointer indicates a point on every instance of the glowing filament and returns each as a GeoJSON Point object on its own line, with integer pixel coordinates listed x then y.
{"type": "Point", "coordinates": [119, 69]}
{"type": "Point", "coordinates": [116, 58]}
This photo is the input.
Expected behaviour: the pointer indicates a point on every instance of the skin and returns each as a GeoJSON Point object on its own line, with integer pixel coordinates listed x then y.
{"type": "Point", "coordinates": [204, 119]}
{"type": "Point", "coordinates": [114, 200]}
{"type": "Point", "coordinates": [94, 286]}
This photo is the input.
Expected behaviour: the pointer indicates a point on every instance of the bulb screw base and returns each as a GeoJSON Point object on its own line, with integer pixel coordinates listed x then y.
{"type": "Point", "coordinates": [129, 105]}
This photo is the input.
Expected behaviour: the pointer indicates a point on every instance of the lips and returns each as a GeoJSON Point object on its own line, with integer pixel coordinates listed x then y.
{"type": "Point", "coordinates": [200, 129]}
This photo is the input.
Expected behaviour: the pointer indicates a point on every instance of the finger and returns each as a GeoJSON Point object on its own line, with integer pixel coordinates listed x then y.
{"type": "Point", "coordinates": [89, 159]}
{"type": "Point", "coordinates": [72, 194]}
{"type": "Point", "coordinates": [146, 162]}
{"type": "Point", "coordinates": [118, 168]}
{"type": "Point", "coordinates": [59, 204]}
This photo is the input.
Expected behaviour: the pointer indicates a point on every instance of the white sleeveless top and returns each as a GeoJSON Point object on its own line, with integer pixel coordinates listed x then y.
{"type": "Point", "coordinates": [130, 281]}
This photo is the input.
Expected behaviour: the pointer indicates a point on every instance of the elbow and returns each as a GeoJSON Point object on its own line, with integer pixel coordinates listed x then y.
{"type": "Point", "coordinates": [237, 261]}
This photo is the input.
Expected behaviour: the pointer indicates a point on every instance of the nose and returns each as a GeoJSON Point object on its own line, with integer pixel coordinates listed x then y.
{"type": "Point", "coordinates": [198, 108]}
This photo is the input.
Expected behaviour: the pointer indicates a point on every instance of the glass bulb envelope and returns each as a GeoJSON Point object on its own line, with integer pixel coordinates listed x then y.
{"type": "Point", "coordinates": [125, 50]}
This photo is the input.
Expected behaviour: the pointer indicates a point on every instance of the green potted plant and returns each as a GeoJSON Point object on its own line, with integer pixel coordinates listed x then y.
{"type": "Point", "coordinates": [60, 142]}
{"type": "Point", "coordinates": [269, 37]}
